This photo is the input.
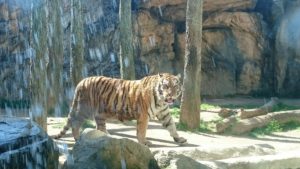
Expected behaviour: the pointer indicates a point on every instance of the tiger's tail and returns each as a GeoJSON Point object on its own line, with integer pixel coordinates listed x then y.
{"type": "Point", "coordinates": [69, 120]}
{"type": "Point", "coordinates": [64, 130]}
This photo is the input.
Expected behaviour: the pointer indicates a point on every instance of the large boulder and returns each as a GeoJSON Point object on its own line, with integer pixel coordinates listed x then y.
{"type": "Point", "coordinates": [23, 144]}
{"type": "Point", "coordinates": [96, 150]}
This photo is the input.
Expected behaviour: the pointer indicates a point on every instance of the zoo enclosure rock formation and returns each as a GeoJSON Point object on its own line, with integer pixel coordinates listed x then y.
{"type": "Point", "coordinates": [23, 144]}
{"type": "Point", "coordinates": [249, 46]}
{"type": "Point", "coordinates": [96, 150]}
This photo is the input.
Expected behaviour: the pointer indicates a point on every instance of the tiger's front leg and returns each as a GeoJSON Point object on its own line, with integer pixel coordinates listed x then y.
{"type": "Point", "coordinates": [167, 121]}
{"type": "Point", "coordinates": [142, 125]}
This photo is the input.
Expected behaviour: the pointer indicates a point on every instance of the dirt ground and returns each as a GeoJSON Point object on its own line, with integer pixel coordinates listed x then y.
{"type": "Point", "coordinates": [159, 137]}
{"type": "Point", "coordinates": [281, 141]}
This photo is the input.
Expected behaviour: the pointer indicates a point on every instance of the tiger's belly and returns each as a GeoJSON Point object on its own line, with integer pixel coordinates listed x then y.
{"type": "Point", "coordinates": [121, 116]}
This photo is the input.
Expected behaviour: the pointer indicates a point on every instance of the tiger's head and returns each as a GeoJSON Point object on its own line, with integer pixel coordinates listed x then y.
{"type": "Point", "coordinates": [168, 87]}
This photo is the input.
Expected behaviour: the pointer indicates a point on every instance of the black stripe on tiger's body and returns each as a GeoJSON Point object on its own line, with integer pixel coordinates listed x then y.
{"type": "Point", "coordinates": [103, 97]}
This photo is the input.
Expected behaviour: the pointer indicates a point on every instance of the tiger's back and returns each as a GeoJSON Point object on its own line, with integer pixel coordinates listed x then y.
{"type": "Point", "coordinates": [113, 97]}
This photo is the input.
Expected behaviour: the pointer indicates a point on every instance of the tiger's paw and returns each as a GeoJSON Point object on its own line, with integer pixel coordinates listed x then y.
{"type": "Point", "coordinates": [180, 140]}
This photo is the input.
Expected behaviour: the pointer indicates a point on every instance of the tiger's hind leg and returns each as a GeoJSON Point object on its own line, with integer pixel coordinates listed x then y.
{"type": "Point", "coordinates": [100, 122]}
{"type": "Point", "coordinates": [78, 116]}
{"type": "Point", "coordinates": [76, 124]}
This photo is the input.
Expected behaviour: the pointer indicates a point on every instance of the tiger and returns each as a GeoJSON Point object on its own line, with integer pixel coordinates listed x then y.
{"type": "Point", "coordinates": [103, 98]}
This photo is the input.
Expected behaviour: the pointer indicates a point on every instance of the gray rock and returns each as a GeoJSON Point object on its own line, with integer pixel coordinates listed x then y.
{"type": "Point", "coordinates": [232, 157]}
{"type": "Point", "coordinates": [184, 162]}
{"type": "Point", "coordinates": [96, 150]}
{"type": "Point", "coordinates": [286, 160]}
{"type": "Point", "coordinates": [170, 157]}
{"type": "Point", "coordinates": [23, 144]}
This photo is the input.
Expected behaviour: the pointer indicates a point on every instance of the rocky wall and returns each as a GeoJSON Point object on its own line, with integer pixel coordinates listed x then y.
{"type": "Point", "coordinates": [249, 46]}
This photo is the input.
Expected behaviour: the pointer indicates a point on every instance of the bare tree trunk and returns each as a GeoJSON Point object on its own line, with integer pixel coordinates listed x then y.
{"type": "Point", "coordinates": [265, 109]}
{"type": "Point", "coordinates": [126, 43]}
{"type": "Point", "coordinates": [281, 117]}
{"type": "Point", "coordinates": [225, 124]}
{"type": "Point", "coordinates": [77, 42]}
{"type": "Point", "coordinates": [226, 112]}
{"type": "Point", "coordinates": [190, 101]}
{"type": "Point", "coordinates": [38, 109]}
{"type": "Point", "coordinates": [56, 57]}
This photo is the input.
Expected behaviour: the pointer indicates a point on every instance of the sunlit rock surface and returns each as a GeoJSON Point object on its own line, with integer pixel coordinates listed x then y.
{"type": "Point", "coordinates": [156, 42]}
{"type": "Point", "coordinates": [209, 6]}
{"type": "Point", "coordinates": [23, 144]}
{"type": "Point", "coordinates": [96, 150]}
{"type": "Point", "coordinates": [234, 45]}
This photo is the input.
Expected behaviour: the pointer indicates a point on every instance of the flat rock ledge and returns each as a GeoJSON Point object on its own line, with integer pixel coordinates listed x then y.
{"type": "Point", "coordinates": [235, 157]}
{"type": "Point", "coordinates": [286, 160]}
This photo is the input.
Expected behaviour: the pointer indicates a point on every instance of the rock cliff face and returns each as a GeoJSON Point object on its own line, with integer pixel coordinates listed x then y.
{"type": "Point", "coordinates": [287, 51]}
{"type": "Point", "coordinates": [250, 47]}
{"type": "Point", "coordinates": [235, 44]}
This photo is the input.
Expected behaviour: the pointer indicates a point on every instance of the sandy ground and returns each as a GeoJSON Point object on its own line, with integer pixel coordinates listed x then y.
{"type": "Point", "coordinates": [281, 141]}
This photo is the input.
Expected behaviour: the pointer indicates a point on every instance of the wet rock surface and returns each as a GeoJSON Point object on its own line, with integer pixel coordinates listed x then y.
{"type": "Point", "coordinates": [24, 144]}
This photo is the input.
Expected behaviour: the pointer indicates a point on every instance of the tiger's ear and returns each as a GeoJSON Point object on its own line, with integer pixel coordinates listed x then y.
{"type": "Point", "coordinates": [178, 76]}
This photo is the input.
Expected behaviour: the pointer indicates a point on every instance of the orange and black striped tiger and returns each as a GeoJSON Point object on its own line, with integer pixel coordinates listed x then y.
{"type": "Point", "coordinates": [103, 97]}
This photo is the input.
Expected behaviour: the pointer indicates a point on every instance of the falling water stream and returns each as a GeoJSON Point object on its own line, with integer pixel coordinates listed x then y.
{"type": "Point", "coordinates": [44, 49]}
{"type": "Point", "coordinates": [45, 38]}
